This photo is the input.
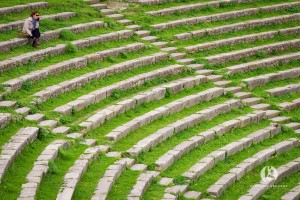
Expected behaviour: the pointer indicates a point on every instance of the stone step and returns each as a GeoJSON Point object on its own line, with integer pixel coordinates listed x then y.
{"type": "Point", "coordinates": [234, 27]}
{"type": "Point", "coordinates": [280, 119]}
{"type": "Point", "coordinates": [160, 44]}
{"type": "Point", "coordinates": [4, 119]}
{"type": "Point", "coordinates": [165, 181]}
{"type": "Point", "coordinates": [40, 169]}
{"type": "Point", "coordinates": [48, 123]}
{"type": "Point", "coordinates": [205, 72]}
{"type": "Point", "coordinates": [222, 83]}
{"type": "Point", "coordinates": [8, 104]}
{"type": "Point", "coordinates": [177, 56]}
{"type": "Point", "coordinates": [142, 33]}
{"type": "Point", "coordinates": [245, 53]}
{"type": "Point", "coordinates": [89, 142]}
{"type": "Point", "coordinates": [293, 125]}
{"type": "Point", "coordinates": [251, 101]}
{"type": "Point", "coordinates": [170, 49]}
{"type": "Point", "coordinates": [261, 106]}
{"type": "Point", "coordinates": [297, 131]}
{"type": "Point", "coordinates": [223, 16]}
{"type": "Point", "coordinates": [116, 16]}
{"type": "Point", "coordinates": [214, 77]}
{"type": "Point", "coordinates": [243, 95]}
{"type": "Point", "coordinates": [75, 135]}
{"type": "Point", "coordinates": [14, 147]}
{"type": "Point", "coordinates": [234, 89]}
{"type": "Point", "coordinates": [187, 61]}
{"type": "Point", "coordinates": [125, 22]}
{"type": "Point", "coordinates": [134, 27]}
{"type": "Point", "coordinates": [156, 93]}
{"type": "Point", "coordinates": [19, 8]}
{"type": "Point", "coordinates": [280, 91]}
{"type": "Point", "coordinates": [272, 113]}
{"type": "Point", "coordinates": [194, 66]}
{"type": "Point", "coordinates": [61, 130]}
{"type": "Point", "coordinates": [35, 117]}
{"type": "Point", "coordinates": [23, 111]}
{"type": "Point", "coordinates": [149, 38]}
{"type": "Point", "coordinates": [192, 195]}
{"type": "Point", "coordinates": [107, 11]}
{"type": "Point", "coordinates": [240, 39]}
{"type": "Point", "coordinates": [99, 6]}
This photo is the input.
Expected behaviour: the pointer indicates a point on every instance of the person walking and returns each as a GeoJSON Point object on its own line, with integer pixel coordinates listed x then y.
{"type": "Point", "coordinates": [31, 28]}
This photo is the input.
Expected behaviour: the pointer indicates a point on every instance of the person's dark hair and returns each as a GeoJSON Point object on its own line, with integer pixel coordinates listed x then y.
{"type": "Point", "coordinates": [33, 13]}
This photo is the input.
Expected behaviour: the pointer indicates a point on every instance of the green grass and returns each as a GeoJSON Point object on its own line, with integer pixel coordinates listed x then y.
{"type": "Point", "coordinates": [32, 88]}
{"type": "Point", "coordinates": [89, 181]}
{"type": "Point", "coordinates": [54, 179]}
{"type": "Point", "coordinates": [150, 157]}
{"type": "Point", "coordinates": [224, 166]}
{"type": "Point", "coordinates": [168, 34]}
{"type": "Point", "coordinates": [193, 156]}
{"type": "Point", "coordinates": [80, 116]}
{"type": "Point", "coordinates": [145, 20]}
{"type": "Point", "coordinates": [15, 176]}
{"type": "Point", "coordinates": [244, 184]}
{"type": "Point", "coordinates": [143, 132]}
{"type": "Point", "coordinates": [123, 185]}
{"type": "Point", "coordinates": [139, 110]}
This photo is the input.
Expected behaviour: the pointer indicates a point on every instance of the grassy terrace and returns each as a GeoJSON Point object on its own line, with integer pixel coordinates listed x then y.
{"type": "Point", "coordinates": [15, 176]}
{"type": "Point", "coordinates": [144, 20]}
{"type": "Point", "coordinates": [168, 34]}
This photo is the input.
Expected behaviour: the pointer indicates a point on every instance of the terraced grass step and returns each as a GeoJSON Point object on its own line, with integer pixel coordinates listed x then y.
{"type": "Point", "coordinates": [238, 26]}
{"type": "Point", "coordinates": [49, 35]}
{"type": "Point", "coordinates": [75, 173]}
{"type": "Point", "coordinates": [247, 165]}
{"type": "Point", "coordinates": [283, 171]}
{"type": "Point", "coordinates": [112, 173]}
{"type": "Point", "coordinates": [226, 15]}
{"type": "Point", "coordinates": [267, 62]}
{"type": "Point", "coordinates": [290, 105]}
{"type": "Point", "coordinates": [280, 91]}
{"type": "Point", "coordinates": [20, 23]}
{"type": "Point", "coordinates": [156, 93]}
{"type": "Point", "coordinates": [257, 81]}
{"type": "Point", "coordinates": [15, 145]}
{"type": "Point", "coordinates": [166, 160]}
{"type": "Point", "coordinates": [41, 168]}
{"type": "Point", "coordinates": [142, 183]}
{"type": "Point", "coordinates": [206, 163]}
{"type": "Point", "coordinates": [98, 95]}
{"type": "Point", "coordinates": [61, 48]}
{"type": "Point", "coordinates": [19, 8]}
{"type": "Point", "coordinates": [169, 109]}
{"type": "Point", "coordinates": [186, 8]}
{"type": "Point", "coordinates": [187, 122]}
{"type": "Point", "coordinates": [294, 193]}
{"type": "Point", "coordinates": [4, 119]}
{"type": "Point", "coordinates": [244, 53]}
{"type": "Point", "coordinates": [75, 63]}
{"type": "Point", "coordinates": [241, 39]}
